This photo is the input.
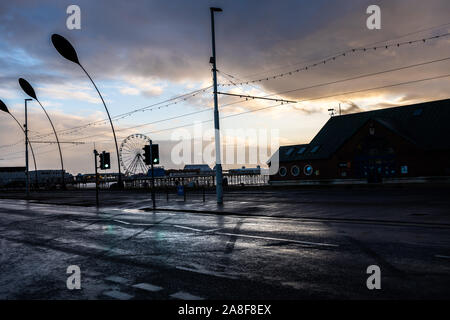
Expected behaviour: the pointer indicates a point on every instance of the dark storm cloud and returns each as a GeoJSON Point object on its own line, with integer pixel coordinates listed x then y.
{"type": "Point", "coordinates": [170, 40]}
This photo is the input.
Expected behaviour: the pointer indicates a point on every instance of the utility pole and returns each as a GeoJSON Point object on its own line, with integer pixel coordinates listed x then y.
{"type": "Point", "coordinates": [96, 178]}
{"type": "Point", "coordinates": [27, 174]}
{"type": "Point", "coordinates": [219, 178]}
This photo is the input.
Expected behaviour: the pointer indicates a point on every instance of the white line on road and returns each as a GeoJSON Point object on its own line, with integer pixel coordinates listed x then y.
{"type": "Point", "coordinates": [117, 279]}
{"type": "Point", "coordinates": [441, 256]}
{"type": "Point", "coordinates": [185, 296]}
{"type": "Point", "coordinates": [187, 228]}
{"type": "Point", "coordinates": [147, 287]}
{"type": "Point", "coordinates": [120, 221]}
{"type": "Point", "coordinates": [212, 230]}
{"type": "Point", "coordinates": [256, 237]}
{"type": "Point", "coordinates": [118, 295]}
{"type": "Point", "coordinates": [207, 272]}
{"type": "Point", "coordinates": [278, 239]}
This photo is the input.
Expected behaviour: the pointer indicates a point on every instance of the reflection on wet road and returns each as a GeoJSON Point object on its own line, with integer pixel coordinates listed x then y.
{"type": "Point", "coordinates": [133, 254]}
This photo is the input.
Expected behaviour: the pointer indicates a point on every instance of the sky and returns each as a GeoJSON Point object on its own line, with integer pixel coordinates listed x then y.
{"type": "Point", "coordinates": [145, 53]}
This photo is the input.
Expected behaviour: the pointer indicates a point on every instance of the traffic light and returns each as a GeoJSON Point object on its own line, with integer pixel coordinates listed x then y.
{"type": "Point", "coordinates": [153, 156]}
{"type": "Point", "coordinates": [155, 153]}
{"type": "Point", "coordinates": [105, 161]}
{"type": "Point", "coordinates": [146, 154]}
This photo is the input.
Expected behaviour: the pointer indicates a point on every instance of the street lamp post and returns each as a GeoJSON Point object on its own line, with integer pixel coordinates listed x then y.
{"type": "Point", "coordinates": [26, 149]}
{"type": "Point", "coordinates": [219, 178]}
{"type": "Point", "coordinates": [28, 89]}
{"type": "Point", "coordinates": [65, 49]}
{"type": "Point", "coordinates": [4, 108]}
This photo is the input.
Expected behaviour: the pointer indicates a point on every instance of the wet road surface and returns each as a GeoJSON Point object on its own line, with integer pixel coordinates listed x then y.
{"type": "Point", "coordinates": [133, 254]}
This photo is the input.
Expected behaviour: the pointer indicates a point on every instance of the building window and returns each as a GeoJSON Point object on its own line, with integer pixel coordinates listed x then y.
{"type": "Point", "coordinates": [308, 170]}
{"type": "Point", "coordinates": [295, 171]}
{"type": "Point", "coordinates": [282, 171]}
{"type": "Point", "coordinates": [302, 150]}
{"type": "Point", "coordinates": [404, 169]}
{"type": "Point", "coordinates": [288, 153]}
{"type": "Point", "coordinates": [315, 149]}
{"type": "Point", "coordinates": [417, 112]}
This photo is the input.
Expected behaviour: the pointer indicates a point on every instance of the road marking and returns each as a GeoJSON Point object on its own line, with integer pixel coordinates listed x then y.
{"type": "Point", "coordinates": [120, 221]}
{"type": "Point", "coordinates": [117, 279]}
{"type": "Point", "coordinates": [133, 224]}
{"type": "Point", "coordinates": [118, 295]}
{"type": "Point", "coordinates": [147, 287]}
{"type": "Point", "coordinates": [212, 230]}
{"type": "Point", "coordinates": [440, 256]}
{"type": "Point", "coordinates": [117, 252]}
{"type": "Point", "coordinates": [207, 272]}
{"type": "Point", "coordinates": [278, 239]}
{"type": "Point", "coordinates": [187, 228]}
{"type": "Point", "coordinates": [185, 296]}
{"type": "Point", "coordinates": [89, 246]}
{"type": "Point", "coordinates": [92, 274]}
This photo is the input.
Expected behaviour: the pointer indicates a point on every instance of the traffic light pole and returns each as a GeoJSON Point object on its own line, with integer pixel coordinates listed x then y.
{"type": "Point", "coordinates": [153, 176]}
{"type": "Point", "coordinates": [96, 178]}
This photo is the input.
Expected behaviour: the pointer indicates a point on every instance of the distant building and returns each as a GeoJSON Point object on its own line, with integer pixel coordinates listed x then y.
{"type": "Point", "coordinates": [400, 142]}
{"type": "Point", "coordinates": [202, 168]}
{"type": "Point", "coordinates": [12, 176]}
{"type": "Point", "coordinates": [158, 171]}
{"type": "Point", "coordinates": [245, 170]}
{"type": "Point", "coordinates": [50, 177]}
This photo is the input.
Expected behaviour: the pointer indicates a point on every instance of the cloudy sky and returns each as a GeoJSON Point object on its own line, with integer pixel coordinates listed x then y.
{"type": "Point", "coordinates": [142, 53]}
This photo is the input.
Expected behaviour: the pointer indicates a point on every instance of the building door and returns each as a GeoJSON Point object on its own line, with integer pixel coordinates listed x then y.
{"type": "Point", "coordinates": [375, 160]}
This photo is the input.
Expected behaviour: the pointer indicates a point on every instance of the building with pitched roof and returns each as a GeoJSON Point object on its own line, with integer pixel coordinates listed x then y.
{"type": "Point", "coordinates": [374, 146]}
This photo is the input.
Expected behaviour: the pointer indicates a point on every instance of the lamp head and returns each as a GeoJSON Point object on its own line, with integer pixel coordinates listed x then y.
{"type": "Point", "coordinates": [27, 88]}
{"type": "Point", "coordinates": [3, 107]}
{"type": "Point", "coordinates": [65, 48]}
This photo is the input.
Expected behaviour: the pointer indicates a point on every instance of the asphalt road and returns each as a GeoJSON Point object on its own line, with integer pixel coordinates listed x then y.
{"type": "Point", "coordinates": [135, 254]}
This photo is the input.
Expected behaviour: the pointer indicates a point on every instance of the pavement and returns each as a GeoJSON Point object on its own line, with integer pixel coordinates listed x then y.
{"type": "Point", "coordinates": [266, 244]}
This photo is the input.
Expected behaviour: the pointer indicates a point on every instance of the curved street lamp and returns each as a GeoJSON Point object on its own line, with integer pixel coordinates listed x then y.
{"type": "Point", "coordinates": [28, 89]}
{"type": "Point", "coordinates": [65, 49]}
{"type": "Point", "coordinates": [4, 108]}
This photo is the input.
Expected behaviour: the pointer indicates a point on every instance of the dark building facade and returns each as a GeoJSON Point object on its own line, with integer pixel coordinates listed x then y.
{"type": "Point", "coordinates": [388, 144]}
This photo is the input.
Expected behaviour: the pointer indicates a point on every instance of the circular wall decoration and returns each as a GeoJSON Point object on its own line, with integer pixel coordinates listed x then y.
{"type": "Point", "coordinates": [295, 171]}
{"type": "Point", "coordinates": [308, 170]}
{"type": "Point", "coordinates": [282, 171]}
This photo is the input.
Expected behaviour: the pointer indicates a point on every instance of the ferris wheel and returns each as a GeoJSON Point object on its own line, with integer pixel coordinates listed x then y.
{"type": "Point", "coordinates": [132, 154]}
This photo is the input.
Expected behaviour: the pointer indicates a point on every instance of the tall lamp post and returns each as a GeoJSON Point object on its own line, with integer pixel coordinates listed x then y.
{"type": "Point", "coordinates": [219, 177]}
{"type": "Point", "coordinates": [4, 108]}
{"type": "Point", "coordinates": [65, 49]}
{"type": "Point", "coordinates": [28, 89]}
